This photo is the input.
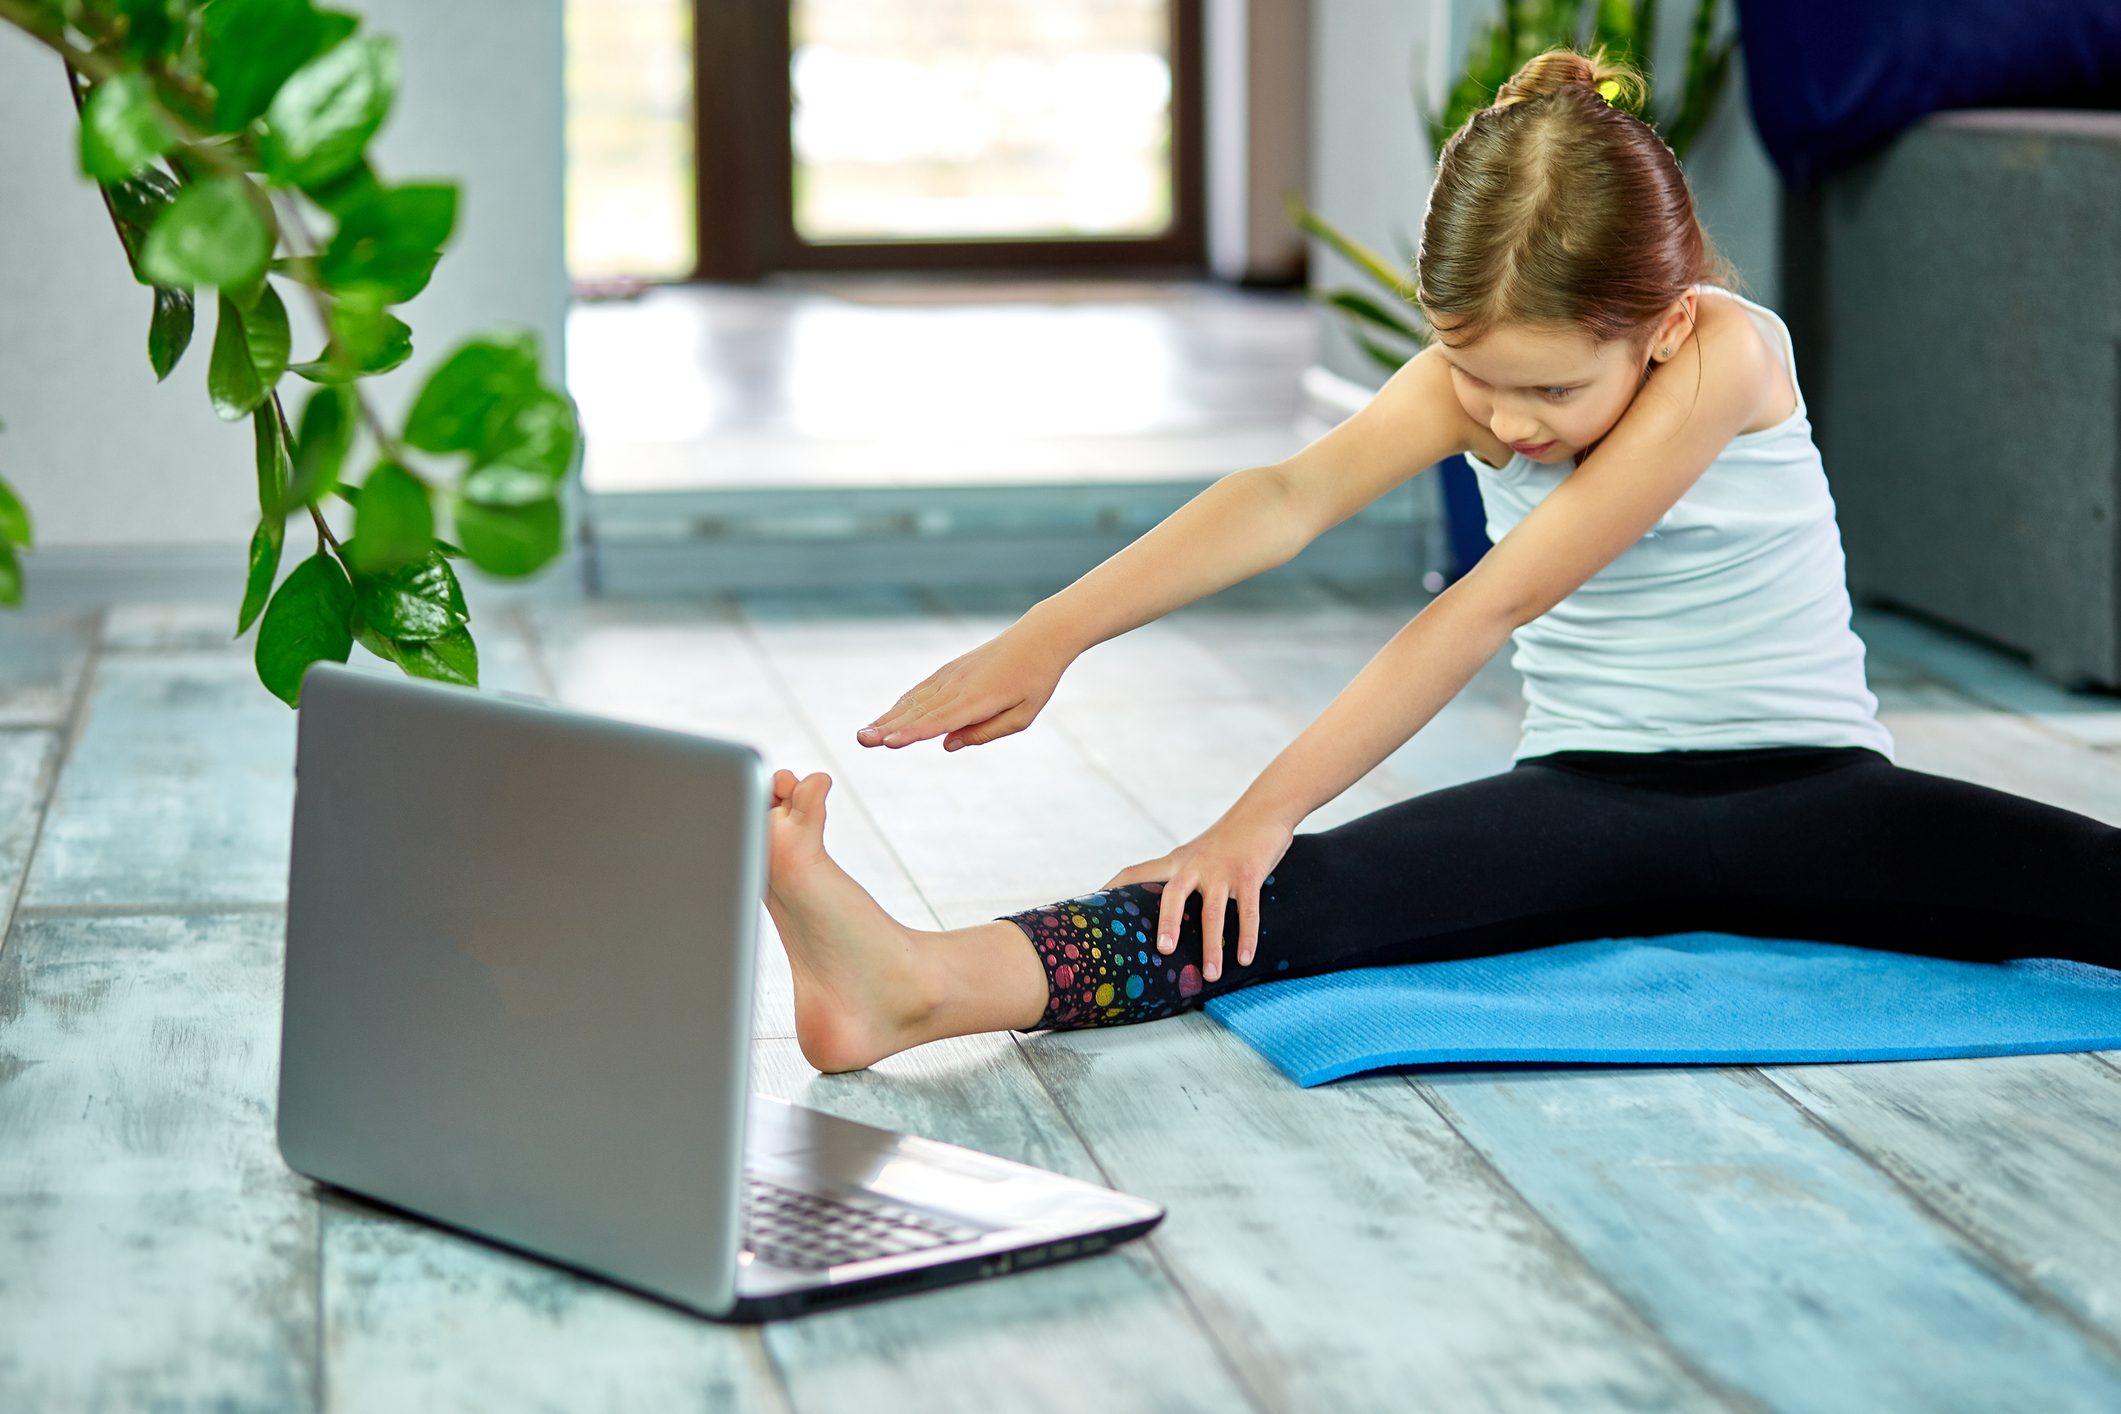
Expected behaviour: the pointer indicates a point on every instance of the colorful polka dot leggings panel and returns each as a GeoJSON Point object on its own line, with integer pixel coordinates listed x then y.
{"type": "Point", "coordinates": [1830, 844]}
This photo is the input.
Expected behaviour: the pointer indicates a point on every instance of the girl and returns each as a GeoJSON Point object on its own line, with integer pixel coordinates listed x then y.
{"type": "Point", "coordinates": [1700, 749]}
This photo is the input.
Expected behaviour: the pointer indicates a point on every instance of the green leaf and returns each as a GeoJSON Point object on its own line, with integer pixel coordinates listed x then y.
{"type": "Point", "coordinates": [376, 643]}
{"type": "Point", "coordinates": [474, 393]}
{"type": "Point", "coordinates": [395, 522]}
{"type": "Point", "coordinates": [391, 240]}
{"type": "Point", "coordinates": [1362, 307]}
{"type": "Point", "coordinates": [122, 129]}
{"type": "Point", "coordinates": [152, 27]}
{"type": "Point", "coordinates": [10, 575]}
{"type": "Point", "coordinates": [269, 444]}
{"type": "Point", "coordinates": [264, 565]}
{"type": "Point", "coordinates": [1385, 358]}
{"type": "Point", "coordinates": [541, 433]}
{"type": "Point", "coordinates": [411, 603]}
{"type": "Point", "coordinates": [265, 327]}
{"type": "Point", "coordinates": [210, 235]}
{"type": "Point", "coordinates": [231, 381]}
{"type": "Point", "coordinates": [509, 541]}
{"type": "Point", "coordinates": [451, 658]}
{"type": "Point", "coordinates": [250, 354]}
{"type": "Point", "coordinates": [322, 441]}
{"type": "Point", "coordinates": [140, 198]}
{"type": "Point", "coordinates": [506, 486]}
{"type": "Point", "coordinates": [388, 343]}
{"type": "Point", "coordinates": [14, 519]}
{"type": "Point", "coordinates": [344, 192]}
{"type": "Point", "coordinates": [1353, 251]}
{"type": "Point", "coordinates": [361, 328]}
{"type": "Point", "coordinates": [308, 621]}
{"type": "Point", "coordinates": [169, 330]}
{"type": "Point", "coordinates": [251, 47]}
{"type": "Point", "coordinates": [322, 118]}
{"type": "Point", "coordinates": [338, 25]}
{"type": "Point", "coordinates": [452, 590]}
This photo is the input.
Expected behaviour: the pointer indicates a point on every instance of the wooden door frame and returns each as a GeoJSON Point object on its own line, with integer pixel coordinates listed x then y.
{"type": "Point", "coordinates": [744, 166]}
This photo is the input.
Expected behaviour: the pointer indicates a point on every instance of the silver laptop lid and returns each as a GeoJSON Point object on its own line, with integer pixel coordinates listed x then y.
{"type": "Point", "coordinates": [500, 915]}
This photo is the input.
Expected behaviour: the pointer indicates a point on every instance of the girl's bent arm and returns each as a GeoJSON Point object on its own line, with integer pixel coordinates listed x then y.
{"type": "Point", "coordinates": [1413, 676]}
{"type": "Point", "coordinates": [1670, 434]}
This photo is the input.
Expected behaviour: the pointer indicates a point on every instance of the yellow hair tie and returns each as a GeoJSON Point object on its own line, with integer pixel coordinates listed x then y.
{"type": "Point", "coordinates": [1609, 90]}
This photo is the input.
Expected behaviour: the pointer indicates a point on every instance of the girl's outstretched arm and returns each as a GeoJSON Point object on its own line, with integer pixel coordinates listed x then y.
{"type": "Point", "coordinates": [1220, 537]}
{"type": "Point", "coordinates": [1246, 522]}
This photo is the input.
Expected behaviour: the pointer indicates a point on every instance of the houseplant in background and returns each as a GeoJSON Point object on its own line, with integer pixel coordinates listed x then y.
{"type": "Point", "coordinates": [1387, 326]}
{"type": "Point", "coordinates": [228, 140]}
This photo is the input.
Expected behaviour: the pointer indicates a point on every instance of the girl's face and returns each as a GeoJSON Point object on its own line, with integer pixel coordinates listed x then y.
{"type": "Point", "coordinates": [1548, 393]}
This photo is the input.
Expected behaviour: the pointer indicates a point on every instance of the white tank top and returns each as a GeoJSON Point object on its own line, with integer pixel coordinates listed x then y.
{"type": "Point", "coordinates": [1725, 626]}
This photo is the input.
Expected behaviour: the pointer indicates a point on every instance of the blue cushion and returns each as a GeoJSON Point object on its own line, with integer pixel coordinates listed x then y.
{"type": "Point", "coordinates": [1675, 999]}
{"type": "Point", "coordinates": [1832, 80]}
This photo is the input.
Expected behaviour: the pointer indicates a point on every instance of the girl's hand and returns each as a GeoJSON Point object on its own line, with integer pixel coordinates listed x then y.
{"type": "Point", "coordinates": [1230, 860]}
{"type": "Point", "coordinates": [993, 691]}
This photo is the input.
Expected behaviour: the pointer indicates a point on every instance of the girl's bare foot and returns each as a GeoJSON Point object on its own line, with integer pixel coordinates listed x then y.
{"type": "Point", "coordinates": [863, 984]}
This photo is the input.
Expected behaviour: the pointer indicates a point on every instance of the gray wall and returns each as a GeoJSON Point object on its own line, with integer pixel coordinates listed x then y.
{"type": "Point", "coordinates": [1374, 61]}
{"type": "Point", "coordinates": [108, 458]}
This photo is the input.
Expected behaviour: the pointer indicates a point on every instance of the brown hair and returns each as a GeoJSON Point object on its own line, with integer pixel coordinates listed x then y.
{"type": "Point", "coordinates": [1552, 206]}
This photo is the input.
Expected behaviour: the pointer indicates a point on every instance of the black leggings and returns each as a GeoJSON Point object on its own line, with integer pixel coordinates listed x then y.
{"type": "Point", "coordinates": [1830, 844]}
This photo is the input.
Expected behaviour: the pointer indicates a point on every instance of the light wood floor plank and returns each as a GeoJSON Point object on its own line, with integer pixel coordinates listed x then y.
{"type": "Point", "coordinates": [43, 653]}
{"type": "Point", "coordinates": [2021, 1152]}
{"type": "Point", "coordinates": [154, 1250]}
{"type": "Point", "coordinates": [1350, 1250]}
{"type": "Point", "coordinates": [1940, 730]}
{"type": "Point", "coordinates": [1994, 677]}
{"type": "Point", "coordinates": [29, 762]}
{"type": "Point", "coordinates": [1711, 1203]}
{"type": "Point", "coordinates": [180, 788]}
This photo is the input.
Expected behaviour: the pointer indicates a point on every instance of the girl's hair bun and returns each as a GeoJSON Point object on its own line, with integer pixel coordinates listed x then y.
{"type": "Point", "coordinates": [1612, 81]}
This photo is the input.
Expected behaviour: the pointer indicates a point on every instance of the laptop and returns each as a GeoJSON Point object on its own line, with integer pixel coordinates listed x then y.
{"type": "Point", "coordinates": [518, 1003]}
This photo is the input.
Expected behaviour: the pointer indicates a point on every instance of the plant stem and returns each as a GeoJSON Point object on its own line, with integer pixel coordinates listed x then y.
{"type": "Point", "coordinates": [73, 91]}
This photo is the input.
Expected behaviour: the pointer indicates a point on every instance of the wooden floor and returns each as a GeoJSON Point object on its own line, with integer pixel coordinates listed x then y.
{"type": "Point", "coordinates": [1933, 1235]}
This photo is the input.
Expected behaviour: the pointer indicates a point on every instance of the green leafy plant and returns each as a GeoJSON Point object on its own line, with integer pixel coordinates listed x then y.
{"type": "Point", "coordinates": [229, 141]}
{"type": "Point", "coordinates": [1390, 330]}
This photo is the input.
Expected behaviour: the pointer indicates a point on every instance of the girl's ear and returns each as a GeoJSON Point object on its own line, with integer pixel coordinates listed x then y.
{"type": "Point", "coordinates": [1677, 324]}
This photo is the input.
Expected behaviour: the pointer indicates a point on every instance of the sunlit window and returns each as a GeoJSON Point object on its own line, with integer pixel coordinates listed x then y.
{"type": "Point", "coordinates": [629, 138]}
{"type": "Point", "coordinates": [938, 119]}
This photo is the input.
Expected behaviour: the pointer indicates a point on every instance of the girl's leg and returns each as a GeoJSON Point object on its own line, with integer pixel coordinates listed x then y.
{"type": "Point", "coordinates": [1528, 858]}
{"type": "Point", "coordinates": [1877, 855]}
{"type": "Point", "coordinates": [1524, 859]}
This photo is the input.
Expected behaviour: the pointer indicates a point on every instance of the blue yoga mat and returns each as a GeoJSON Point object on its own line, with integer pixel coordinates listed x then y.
{"type": "Point", "coordinates": [1675, 999]}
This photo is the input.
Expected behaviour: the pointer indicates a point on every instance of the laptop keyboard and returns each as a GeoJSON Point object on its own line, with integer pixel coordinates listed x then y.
{"type": "Point", "coordinates": [792, 1228]}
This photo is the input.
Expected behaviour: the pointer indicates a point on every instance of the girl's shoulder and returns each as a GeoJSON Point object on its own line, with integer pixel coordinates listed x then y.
{"type": "Point", "coordinates": [1723, 318]}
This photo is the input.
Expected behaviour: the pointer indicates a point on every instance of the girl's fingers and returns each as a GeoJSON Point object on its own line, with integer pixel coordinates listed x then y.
{"type": "Point", "coordinates": [1171, 911]}
{"type": "Point", "coordinates": [941, 714]}
{"type": "Point", "coordinates": [1247, 925]}
{"type": "Point", "coordinates": [992, 729]}
{"type": "Point", "coordinates": [1213, 900]}
{"type": "Point", "coordinates": [1136, 873]}
{"type": "Point", "coordinates": [915, 702]}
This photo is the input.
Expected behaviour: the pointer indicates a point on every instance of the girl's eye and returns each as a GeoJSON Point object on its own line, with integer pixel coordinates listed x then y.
{"type": "Point", "coordinates": [1557, 394]}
